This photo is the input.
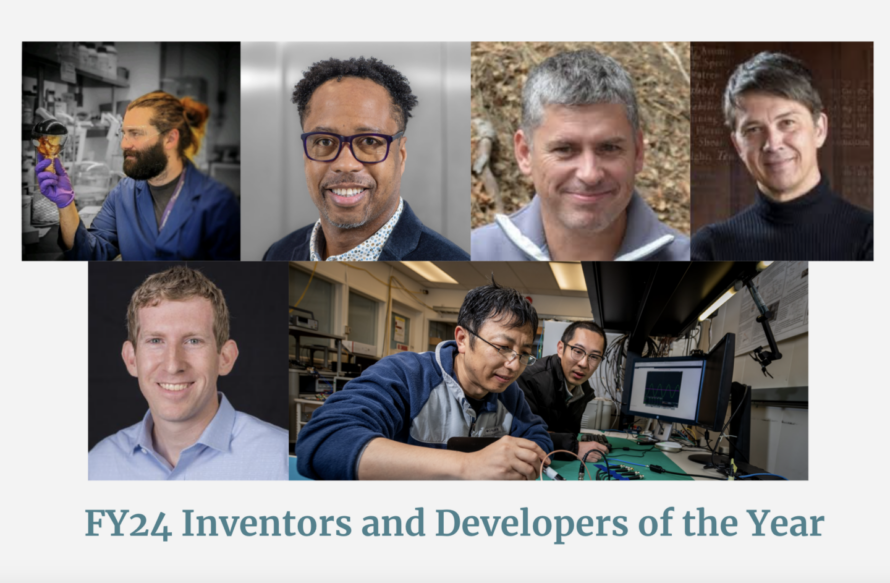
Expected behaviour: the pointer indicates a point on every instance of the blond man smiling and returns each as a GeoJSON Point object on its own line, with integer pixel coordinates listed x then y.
{"type": "Point", "coordinates": [178, 345]}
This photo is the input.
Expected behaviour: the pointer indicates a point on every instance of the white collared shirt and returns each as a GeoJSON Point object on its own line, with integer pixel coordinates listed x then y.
{"type": "Point", "coordinates": [367, 250]}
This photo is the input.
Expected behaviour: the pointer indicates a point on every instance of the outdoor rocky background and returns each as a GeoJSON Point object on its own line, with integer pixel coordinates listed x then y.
{"type": "Point", "coordinates": [661, 78]}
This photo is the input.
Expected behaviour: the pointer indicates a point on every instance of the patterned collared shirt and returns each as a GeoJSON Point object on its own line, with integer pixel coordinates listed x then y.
{"type": "Point", "coordinates": [367, 250]}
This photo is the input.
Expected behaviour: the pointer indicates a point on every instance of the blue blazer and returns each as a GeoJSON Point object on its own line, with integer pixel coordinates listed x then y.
{"type": "Point", "coordinates": [410, 240]}
{"type": "Point", "coordinates": [205, 223]}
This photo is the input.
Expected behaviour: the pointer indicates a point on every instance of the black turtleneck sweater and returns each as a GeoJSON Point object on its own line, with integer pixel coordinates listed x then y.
{"type": "Point", "coordinates": [818, 226]}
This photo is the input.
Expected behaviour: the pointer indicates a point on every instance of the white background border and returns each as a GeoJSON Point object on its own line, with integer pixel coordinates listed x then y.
{"type": "Point", "coordinates": [43, 410]}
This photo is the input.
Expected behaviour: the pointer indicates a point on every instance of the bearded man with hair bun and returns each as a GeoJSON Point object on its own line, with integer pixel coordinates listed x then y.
{"type": "Point", "coordinates": [165, 209]}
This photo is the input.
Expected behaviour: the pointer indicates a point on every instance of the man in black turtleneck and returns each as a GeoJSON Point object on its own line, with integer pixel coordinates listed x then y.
{"type": "Point", "coordinates": [777, 123]}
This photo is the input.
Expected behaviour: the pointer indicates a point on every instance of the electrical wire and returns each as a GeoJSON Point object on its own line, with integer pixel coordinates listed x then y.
{"type": "Point", "coordinates": [764, 474]}
{"type": "Point", "coordinates": [583, 467]}
{"type": "Point", "coordinates": [609, 376]}
{"type": "Point", "coordinates": [390, 286]}
{"type": "Point", "coordinates": [541, 467]}
{"type": "Point", "coordinates": [661, 470]}
{"type": "Point", "coordinates": [349, 265]}
{"type": "Point", "coordinates": [605, 459]}
{"type": "Point", "coordinates": [692, 338]}
{"type": "Point", "coordinates": [723, 431]}
{"type": "Point", "coordinates": [738, 451]}
{"type": "Point", "coordinates": [643, 452]}
{"type": "Point", "coordinates": [630, 463]}
{"type": "Point", "coordinates": [308, 283]}
{"type": "Point", "coordinates": [391, 278]}
{"type": "Point", "coordinates": [737, 409]}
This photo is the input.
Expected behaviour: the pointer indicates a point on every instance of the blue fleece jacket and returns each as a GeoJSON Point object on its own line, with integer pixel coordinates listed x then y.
{"type": "Point", "coordinates": [411, 398]}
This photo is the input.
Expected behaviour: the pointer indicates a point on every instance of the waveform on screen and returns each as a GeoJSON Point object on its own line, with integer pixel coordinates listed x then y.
{"type": "Point", "coordinates": [662, 389]}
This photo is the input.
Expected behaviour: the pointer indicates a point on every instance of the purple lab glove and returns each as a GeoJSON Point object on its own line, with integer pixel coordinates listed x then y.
{"type": "Point", "coordinates": [56, 187]}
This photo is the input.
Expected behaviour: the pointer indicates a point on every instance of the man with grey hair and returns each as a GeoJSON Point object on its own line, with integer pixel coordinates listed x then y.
{"type": "Point", "coordinates": [582, 146]}
{"type": "Point", "coordinates": [777, 125]}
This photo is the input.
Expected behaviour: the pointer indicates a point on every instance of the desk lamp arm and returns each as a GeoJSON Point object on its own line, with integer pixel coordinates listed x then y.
{"type": "Point", "coordinates": [763, 357]}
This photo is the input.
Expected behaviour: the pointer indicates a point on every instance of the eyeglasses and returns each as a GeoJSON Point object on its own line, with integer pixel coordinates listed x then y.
{"type": "Point", "coordinates": [366, 148]}
{"type": "Point", "coordinates": [509, 355]}
{"type": "Point", "coordinates": [578, 354]}
{"type": "Point", "coordinates": [136, 134]}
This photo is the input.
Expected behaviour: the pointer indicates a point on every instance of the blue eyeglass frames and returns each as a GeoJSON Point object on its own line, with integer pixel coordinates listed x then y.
{"type": "Point", "coordinates": [366, 148]}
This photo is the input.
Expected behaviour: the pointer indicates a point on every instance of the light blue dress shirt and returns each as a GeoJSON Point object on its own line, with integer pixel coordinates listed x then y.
{"type": "Point", "coordinates": [234, 446]}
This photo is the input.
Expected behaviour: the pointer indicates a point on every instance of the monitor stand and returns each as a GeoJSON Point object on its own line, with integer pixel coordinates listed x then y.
{"type": "Point", "coordinates": [717, 461]}
{"type": "Point", "coordinates": [666, 433]}
{"type": "Point", "coordinates": [739, 426]}
{"type": "Point", "coordinates": [722, 464]}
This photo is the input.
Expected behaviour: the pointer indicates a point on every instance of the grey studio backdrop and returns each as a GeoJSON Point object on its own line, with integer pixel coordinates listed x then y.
{"type": "Point", "coordinates": [436, 182]}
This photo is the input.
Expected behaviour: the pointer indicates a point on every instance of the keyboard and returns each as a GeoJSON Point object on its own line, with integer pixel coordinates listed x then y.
{"type": "Point", "coordinates": [597, 437]}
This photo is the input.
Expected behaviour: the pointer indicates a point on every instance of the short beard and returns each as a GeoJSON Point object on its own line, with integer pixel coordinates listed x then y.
{"type": "Point", "coordinates": [346, 226]}
{"type": "Point", "coordinates": [148, 164]}
{"type": "Point", "coordinates": [600, 222]}
{"type": "Point", "coordinates": [349, 226]}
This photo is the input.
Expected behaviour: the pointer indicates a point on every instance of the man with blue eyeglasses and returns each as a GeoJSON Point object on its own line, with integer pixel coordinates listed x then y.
{"type": "Point", "coordinates": [354, 114]}
{"type": "Point", "coordinates": [556, 387]}
{"type": "Point", "coordinates": [395, 420]}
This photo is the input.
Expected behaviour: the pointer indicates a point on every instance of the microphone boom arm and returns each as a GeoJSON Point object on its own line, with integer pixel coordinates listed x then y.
{"type": "Point", "coordinates": [763, 357]}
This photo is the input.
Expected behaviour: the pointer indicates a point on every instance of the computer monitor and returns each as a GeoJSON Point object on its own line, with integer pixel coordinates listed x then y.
{"type": "Point", "coordinates": [693, 390]}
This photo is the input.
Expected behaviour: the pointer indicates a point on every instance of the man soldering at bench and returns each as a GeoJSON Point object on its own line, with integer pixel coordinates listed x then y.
{"type": "Point", "coordinates": [395, 420]}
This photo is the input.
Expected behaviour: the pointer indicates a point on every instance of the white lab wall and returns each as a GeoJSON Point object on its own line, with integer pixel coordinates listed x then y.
{"type": "Point", "coordinates": [436, 181]}
{"type": "Point", "coordinates": [221, 70]}
{"type": "Point", "coordinates": [790, 371]}
{"type": "Point", "coordinates": [553, 332]}
{"type": "Point", "coordinates": [144, 62]}
{"type": "Point", "coordinates": [370, 279]}
{"type": "Point", "coordinates": [148, 63]}
{"type": "Point", "coordinates": [547, 306]}
{"type": "Point", "coordinates": [779, 435]}
{"type": "Point", "coordinates": [416, 319]}
{"type": "Point", "coordinates": [780, 440]}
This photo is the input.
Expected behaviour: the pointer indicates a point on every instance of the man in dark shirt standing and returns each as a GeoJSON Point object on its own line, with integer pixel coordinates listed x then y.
{"type": "Point", "coordinates": [775, 115]}
{"type": "Point", "coordinates": [556, 387]}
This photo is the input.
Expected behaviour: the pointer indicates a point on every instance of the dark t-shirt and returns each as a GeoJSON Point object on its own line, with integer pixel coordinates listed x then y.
{"type": "Point", "coordinates": [160, 196]}
{"type": "Point", "coordinates": [476, 404]}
